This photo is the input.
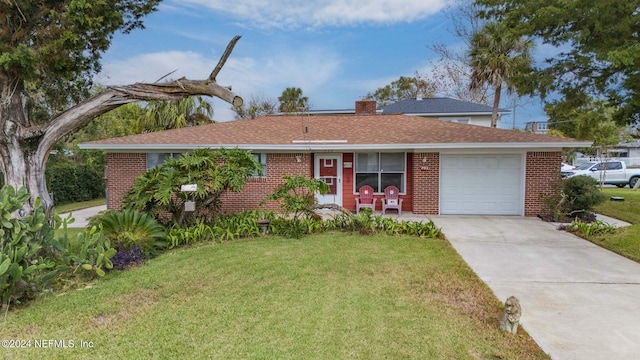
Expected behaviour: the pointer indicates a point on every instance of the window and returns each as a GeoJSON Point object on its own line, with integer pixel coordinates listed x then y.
{"type": "Point", "coordinates": [614, 166]}
{"type": "Point", "coordinates": [463, 121]}
{"type": "Point", "coordinates": [380, 170]}
{"type": "Point", "coordinates": [157, 159]}
{"type": "Point", "coordinates": [262, 159]}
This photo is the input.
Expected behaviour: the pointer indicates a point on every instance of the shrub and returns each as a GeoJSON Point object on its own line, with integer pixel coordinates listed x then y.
{"type": "Point", "coordinates": [213, 171]}
{"type": "Point", "coordinates": [130, 228]}
{"type": "Point", "coordinates": [597, 227]}
{"type": "Point", "coordinates": [296, 195]}
{"type": "Point", "coordinates": [70, 182]}
{"type": "Point", "coordinates": [582, 193]}
{"type": "Point", "coordinates": [24, 267]}
{"type": "Point", "coordinates": [125, 258]}
{"type": "Point", "coordinates": [575, 196]}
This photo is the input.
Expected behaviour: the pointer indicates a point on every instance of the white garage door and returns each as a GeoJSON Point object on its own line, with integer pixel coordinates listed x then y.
{"type": "Point", "coordinates": [481, 184]}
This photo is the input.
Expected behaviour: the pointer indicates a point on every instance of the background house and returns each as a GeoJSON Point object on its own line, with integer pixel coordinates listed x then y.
{"type": "Point", "coordinates": [447, 109]}
{"type": "Point", "coordinates": [440, 167]}
{"type": "Point", "coordinates": [537, 127]}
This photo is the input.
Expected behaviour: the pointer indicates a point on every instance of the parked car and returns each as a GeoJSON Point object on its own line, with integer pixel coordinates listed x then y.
{"type": "Point", "coordinates": [565, 168]}
{"type": "Point", "coordinates": [609, 172]}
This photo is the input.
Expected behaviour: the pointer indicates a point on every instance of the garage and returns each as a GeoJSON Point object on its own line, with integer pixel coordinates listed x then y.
{"type": "Point", "coordinates": [481, 184]}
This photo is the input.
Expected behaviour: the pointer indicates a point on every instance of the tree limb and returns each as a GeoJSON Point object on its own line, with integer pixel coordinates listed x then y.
{"type": "Point", "coordinates": [113, 97]}
{"type": "Point", "coordinates": [224, 57]}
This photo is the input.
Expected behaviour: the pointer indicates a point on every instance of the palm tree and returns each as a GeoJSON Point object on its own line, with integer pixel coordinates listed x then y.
{"type": "Point", "coordinates": [497, 56]}
{"type": "Point", "coordinates": [174, 114]}
{"type": "Point", "coordinates": [292, 100]}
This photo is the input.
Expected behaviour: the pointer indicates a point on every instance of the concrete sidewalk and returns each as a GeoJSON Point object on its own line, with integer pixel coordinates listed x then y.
{"type": "Point", "coordinates": [82, 216]}
{"type": "Point", "coordinates": [579, 301]}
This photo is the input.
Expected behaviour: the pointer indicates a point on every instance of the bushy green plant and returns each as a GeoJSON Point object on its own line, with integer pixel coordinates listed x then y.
{"type": "Point", "coordinates": [130, 228]}
{"type": "Point", "coordinates": [364, 222]}
{"type": "Point", "coordinates": [213, 171]}
{"type": "Point", "coordinates": [582, 192]}
{"type": "Point", "coordinates": [226, 227]}
{"type": "Point", "coordinates": [571, 197]}
{"type": "Point", "coordinates": [23, 268]}
{"type": "Point", "coordinates": [597, 227]}
{"type": "Point", "coordinates": [297, 194]}
{"type": "Point", "coordinates": [188, 235]}
{"type": "Point", "coordinates": [72, 182]}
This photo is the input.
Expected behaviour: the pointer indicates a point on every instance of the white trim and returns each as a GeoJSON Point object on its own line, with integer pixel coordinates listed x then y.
{"type": "Point", "coordinates": [311, 147]}
{"type": "Point", "coordinates": [319, 141]}
{"type": "Point", "coordinates": [339, 174]}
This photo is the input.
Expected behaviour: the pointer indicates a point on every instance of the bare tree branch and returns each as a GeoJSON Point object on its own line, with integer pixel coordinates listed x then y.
{"type": "Point", "coordinates": [224, 57]}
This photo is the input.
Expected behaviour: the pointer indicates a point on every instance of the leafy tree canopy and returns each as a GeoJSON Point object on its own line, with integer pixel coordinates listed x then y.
{"type": "Point", "coordinates": [498, 57]}
{"type": "Point", "coordinates": [593, 120]}
{"type": "Point", "coordinates": [292, 100]}
{"type": "Point", "coordinates": [256, 107]}
{"type": "Point", "coordinates": [403, 88]}
{"type": "Point", "coordinates": [599, 44]}
{"type": "Point", "coordinates": [54, 47]}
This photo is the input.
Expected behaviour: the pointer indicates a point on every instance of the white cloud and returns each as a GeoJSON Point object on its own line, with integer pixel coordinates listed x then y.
{"type": "Point", "coordinates": [311, 69]}
{"type": "Point", "coordinates": [303, 13]}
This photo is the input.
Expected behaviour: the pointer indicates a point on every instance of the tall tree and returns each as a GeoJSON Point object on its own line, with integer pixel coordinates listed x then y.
{"type": "Point", "coordinates": [292, 100]}
{"type": "Point", "coordinates": [257, 106]}
{"type": "Point", "coordinates": [175, 114]}
{"type": "Point", "coordinates": [49, 52]}
{"type": "Point", "coordinates": [403, 88]}
{"type": "Point", "coordinates": [598, 49]}
{"type": "Point", "coordinates": [497, 57]}
{"type": "Point", "coordinates": [451, 74]}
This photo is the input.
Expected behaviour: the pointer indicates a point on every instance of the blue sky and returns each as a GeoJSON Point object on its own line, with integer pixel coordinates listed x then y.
{"type": "Point", "coordinates": [336, 51]}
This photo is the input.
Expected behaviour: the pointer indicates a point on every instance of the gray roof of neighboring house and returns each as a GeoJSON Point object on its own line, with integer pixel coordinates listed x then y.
{"type": "Point", "coordinates": [438, 106]}
{"type": "Point", "coordinates": [633, 144]}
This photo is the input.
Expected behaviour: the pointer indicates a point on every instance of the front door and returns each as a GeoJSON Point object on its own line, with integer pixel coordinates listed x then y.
{"type": "Point", "coordinates": [329, 169]}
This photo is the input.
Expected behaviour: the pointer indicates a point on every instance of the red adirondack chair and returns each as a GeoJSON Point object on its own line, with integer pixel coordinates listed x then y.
{"type": "Point", "coordinates": [366, 198]}
{"type": "Point", "coordinates": [391, 200]}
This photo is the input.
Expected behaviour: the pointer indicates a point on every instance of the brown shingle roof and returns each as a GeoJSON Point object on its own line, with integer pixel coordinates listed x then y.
{"type": "Point", "coordinates": [344, 130]}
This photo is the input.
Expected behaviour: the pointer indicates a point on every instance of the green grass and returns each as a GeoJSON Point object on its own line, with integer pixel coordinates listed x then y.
{"type": "Point", "coordinates": [79, 205]}
{"type": "Point", "coordinates": [329, 296]}
{"type": "Point", "coordinates": [625, 241]}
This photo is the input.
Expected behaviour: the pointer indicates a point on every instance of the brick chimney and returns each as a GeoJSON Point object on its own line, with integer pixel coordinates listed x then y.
{"type": "Point", "coordinates": [366, 107]}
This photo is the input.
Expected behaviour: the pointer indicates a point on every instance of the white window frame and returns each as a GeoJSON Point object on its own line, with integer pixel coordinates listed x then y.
{"type": "Point", "coordinates": [262, 159]}
{"type": "Point", "coordinates": [380, 172]}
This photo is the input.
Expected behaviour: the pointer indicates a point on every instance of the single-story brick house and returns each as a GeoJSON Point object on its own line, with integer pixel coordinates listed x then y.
{"type": "Point", "coordinates": [440, 167]}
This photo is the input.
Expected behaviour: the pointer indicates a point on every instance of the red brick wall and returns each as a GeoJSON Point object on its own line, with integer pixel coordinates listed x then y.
{"type": "Point", "coordinates": [542, 169]}
{"type": "Point", "coordinates": [257, 189]}
{"type": "Point", "coordinates": [366, 107]}
{"type": "Point", "coordinates": [122, 170]}
{"type": "Point", "coordinates": [426, 183]}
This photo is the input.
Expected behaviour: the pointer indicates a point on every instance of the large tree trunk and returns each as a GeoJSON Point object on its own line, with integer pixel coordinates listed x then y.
{"type": "Point", "coordinates": [25, 146]}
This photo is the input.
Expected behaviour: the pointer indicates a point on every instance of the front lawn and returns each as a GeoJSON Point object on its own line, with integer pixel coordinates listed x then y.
{"type": "Point", "coordinates": [625, 241]}
{"type": "Point", "coordinates": [328, 296]}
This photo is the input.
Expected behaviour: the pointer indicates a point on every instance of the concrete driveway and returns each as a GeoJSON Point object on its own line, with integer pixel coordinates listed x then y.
{"type": "Point", "coordinates": [578, 300]}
